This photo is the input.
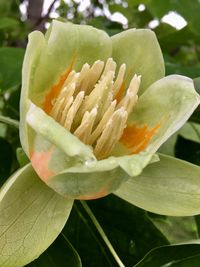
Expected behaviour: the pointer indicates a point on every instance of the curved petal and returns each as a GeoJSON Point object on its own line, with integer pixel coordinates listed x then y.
{"type": "Point", "coordinates": [49, 59]}
{"type": "Point", "coordinates": [94, 180]}
{"type": "Point", "coordinates": [35, 46]}
{"type": "Point", "coordinates": [68, 166]}
{"type": "Point", "coordinates": [140, 50]}
{"type": "Point", "coordinates": [161, 110]}
{"type": "Point", "coordinates": [67, 46]}
{"type": "Point", "coordinates": [168, 187]}
{"type": "Point", "coordinates": [50, 143]}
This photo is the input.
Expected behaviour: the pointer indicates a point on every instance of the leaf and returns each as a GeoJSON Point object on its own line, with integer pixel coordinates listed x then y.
{"type": "Point", "coordinates": [32, 216]}
{"type": "Point", "coordinates": [169, 255]}
{"type": "Point", "coordinates": [7, 22]}
{"type": "Point", "coordinates": [196, 115]}
{"type": "Point", "coordinates": [176, 229]}
{"type": "Point", "coordinates": [190, 130]}
{"type": "Point", "coordinates": [169, 187]}
{"type": "Point", "coordinates": [21, 157]}
{"type": "Point", "coordinates": [10, 67]}
{"type": "Point", "coordinates": [6, 158]}
{"type": "Point", "coordinates": [60, 254]}
{"type": "Point", "coordinates": [191, 261]}
{"type": "Point", "coordinates": [187, 150]}
{"type": "Point", "coordinates": [120, 222]}
{"type": "Point", "coordinates": [128, 228]}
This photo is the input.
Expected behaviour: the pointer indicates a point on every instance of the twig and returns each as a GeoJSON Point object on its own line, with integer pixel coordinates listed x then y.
{"type": "Point", "coordinates": [9, 121]}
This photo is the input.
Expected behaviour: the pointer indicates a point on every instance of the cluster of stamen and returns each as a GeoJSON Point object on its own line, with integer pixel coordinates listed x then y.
{"type": "Point", "coordinates": [90, 107]}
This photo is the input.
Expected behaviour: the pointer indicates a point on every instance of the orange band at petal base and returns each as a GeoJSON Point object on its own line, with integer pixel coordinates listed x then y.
{"type": "Point", "coordinates": [102, 193]}
{"type": "Point", "coordinates": [40, 162]}
{"type": "Point", "coordinates": [136, 139]}
{"type": "Point", "coordinates": [55, 90]}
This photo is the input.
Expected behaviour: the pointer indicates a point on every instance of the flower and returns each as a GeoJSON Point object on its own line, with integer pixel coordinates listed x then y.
{"type": "Point", "coordinates": [95, 109]}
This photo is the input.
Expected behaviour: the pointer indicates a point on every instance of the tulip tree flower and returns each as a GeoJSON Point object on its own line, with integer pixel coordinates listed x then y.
{"type": "Point", "coordinates": [94, 110]}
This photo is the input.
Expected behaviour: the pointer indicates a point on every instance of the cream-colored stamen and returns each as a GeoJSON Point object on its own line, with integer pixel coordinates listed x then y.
{"type": "Point", "coordinates": [119, 80]}
{"type": "Point", "coordinates": [112, 133]}
{"type": "Point", "coordinates": [100, 127]}
{"type": "Point", "coordinates": [131, 97]}
{"type": "Point", "coordinates": [86, 105]}
{"type": "Point", "coordinates": [83, 132]}
{"type": "Point", "coordinates": [73, 109]}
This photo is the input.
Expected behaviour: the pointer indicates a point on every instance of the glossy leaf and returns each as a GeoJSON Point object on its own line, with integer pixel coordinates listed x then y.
{"type": "Point", "coordinates": [169, 187]}
{"type": "Point", "coordinates": [60, 254]}
{"type": "Point", "coordinates": [170, 255]}
{"type": "Point", "coordinates": [10, 67]}
{"type": "Point", "coordinates": [196, 115]}
{"type": "Point", "coordinates": [119, 221]}
{"type": "Point", "coordinates": [6, 158]}
{"type": "Point", "coordinates": [32, 216]}
{"type": "Point", "coordinates": [187, 150]}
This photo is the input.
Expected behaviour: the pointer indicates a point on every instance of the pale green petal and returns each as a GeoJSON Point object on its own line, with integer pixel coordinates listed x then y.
{"type": "Point", "coordinates": [140, 50]}
{"type": "Point", "coordinates": [167, 103]}
{"type": "Point", "coordinates": [47, 58]}
{"type": "Point", "coordinates": [96, 179]}
{"type": "Point", "coordinates": [32, 216]}
{"type": "Point", "coordinates": [33, 51]}
{"type": "Point", "coordinates": [169, 187]}
{"type": "Point", "coordinates": [67, 44]}
{"type": "Point", "coordinates": [57, 135]}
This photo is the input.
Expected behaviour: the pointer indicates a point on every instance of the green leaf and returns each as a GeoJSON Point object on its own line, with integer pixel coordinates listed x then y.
{"type": "Point", "coordinates": [176, 229]}
{"type": "Point", "coordinates": [170, 255]}
{"type": "Point", "coordinates": [120, 221]}
{"type": "Point", "coordinates": [60, 254]}
{"type": "Point", "coordinates": [128, 228]}
{"type": "Point", "coordinates": [21, 157]}
{"type": "Point", "coordinates": [168, 187]}
{"type": "Point", "coordinates": [196, 115]}
{"type": "Point", "coordinates": [6, 158]}
{"type": "Point", "coordinates": [7, 22]}
{"type": "Point", "coordinates": [190, 261]}
{"type": "Point", "coordinates": [32, 216]}
{"type": "Point", "coordinates": [190, 131]}
{"type": "Point", "coordinates": [187, 150]}
{"type": "Point", "coordinates": [10, 67]}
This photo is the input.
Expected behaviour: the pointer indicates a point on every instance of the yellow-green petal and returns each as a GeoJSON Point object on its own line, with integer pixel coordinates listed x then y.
{"type": "Point", "coordinates": [161, 110]}
{"type": "Point", "coordinates": [140, 50]}
{"type": "Point", "coordinates": [92, 180]}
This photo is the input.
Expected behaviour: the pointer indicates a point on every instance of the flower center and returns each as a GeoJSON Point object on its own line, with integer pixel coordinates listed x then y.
{"type": "Point", "coordinates": [91, 106]}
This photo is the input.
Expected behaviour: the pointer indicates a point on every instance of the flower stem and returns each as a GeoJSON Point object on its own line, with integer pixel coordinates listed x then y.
{"type": "Point", "coordinates": [9, 121]}
{"type": "Point", "coordinates": [101, 232]}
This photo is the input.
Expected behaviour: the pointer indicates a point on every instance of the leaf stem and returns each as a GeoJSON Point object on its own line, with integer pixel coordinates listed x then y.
{"type": "Point", "coordinates": [9, 121]}
{"type": "Point", "coordinates": [101, 232]}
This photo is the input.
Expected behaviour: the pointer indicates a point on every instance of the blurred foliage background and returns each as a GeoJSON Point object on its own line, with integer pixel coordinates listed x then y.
{"type": "Point", "coordinates": [133, 232]}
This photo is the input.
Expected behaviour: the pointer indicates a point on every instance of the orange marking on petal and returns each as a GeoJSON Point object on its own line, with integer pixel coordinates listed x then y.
{"type": "Point", "coordinates": [40, 162]}
{"type": "Point", "coordinates": [102, 193]}
{"type": "Point", "coordinates": [136, 139]}
{"type": "Point", "coordinates": [120, 92]}
{"type": "Point", "coordinates": [55, 90]}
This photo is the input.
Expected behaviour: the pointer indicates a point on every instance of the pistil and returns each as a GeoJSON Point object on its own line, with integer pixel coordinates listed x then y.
{"type": "Point", "coordinates": [91, 106]}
